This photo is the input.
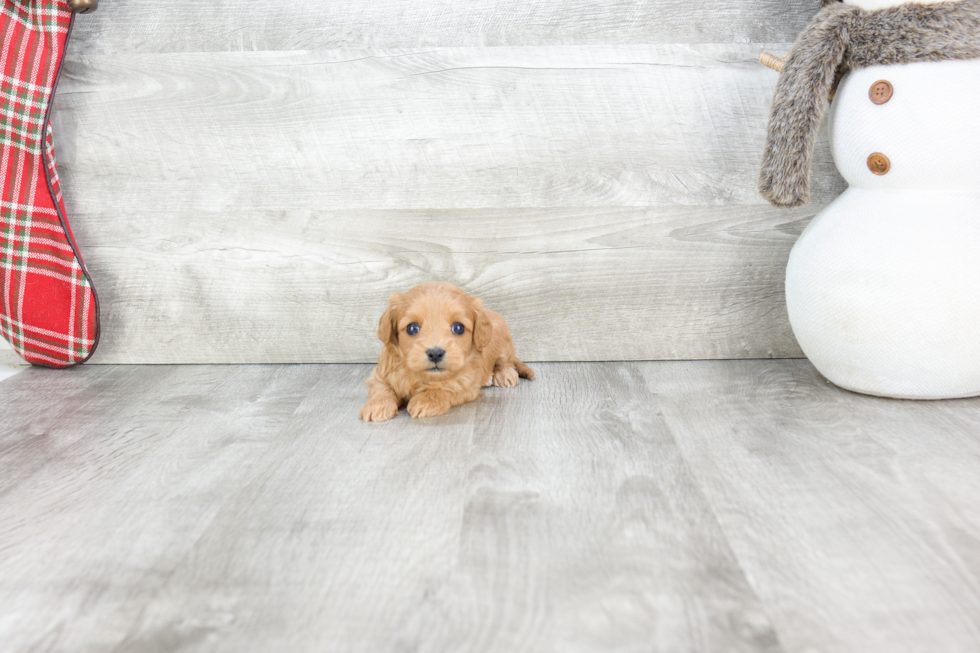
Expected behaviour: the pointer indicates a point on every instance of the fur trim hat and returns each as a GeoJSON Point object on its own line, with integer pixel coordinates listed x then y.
{"type": "Point", "coordinates": [843, 37]}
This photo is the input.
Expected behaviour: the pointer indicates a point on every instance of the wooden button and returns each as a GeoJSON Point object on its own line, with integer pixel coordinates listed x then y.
{"type": "Point", "coordinates": [879, 164]}
{"type": "Point", "coordinates": [881, 91]}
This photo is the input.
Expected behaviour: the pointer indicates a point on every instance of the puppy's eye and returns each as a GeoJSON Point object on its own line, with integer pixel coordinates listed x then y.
{"type": "Point", "coordinates": [458, 329]}
{"type": "Point", "coordinates": [413, 329]}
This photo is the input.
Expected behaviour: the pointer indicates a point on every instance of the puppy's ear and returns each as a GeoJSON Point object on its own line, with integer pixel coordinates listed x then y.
{"type": "Point", "coordinates": [388, 324]}
{"type": "Point", "coordinates": [482, 326]}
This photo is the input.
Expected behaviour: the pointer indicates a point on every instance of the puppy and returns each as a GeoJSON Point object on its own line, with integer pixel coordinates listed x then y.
{"type": "Point", "coordinates": [441, 347]}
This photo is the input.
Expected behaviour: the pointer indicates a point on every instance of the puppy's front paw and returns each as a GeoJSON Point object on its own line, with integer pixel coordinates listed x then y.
{"type": "Point", "coordinates": [378, 411]}
{"type": "Point", "coordinates": [428, 404]}
{"type": "Point", "coordinates": [505, 377]}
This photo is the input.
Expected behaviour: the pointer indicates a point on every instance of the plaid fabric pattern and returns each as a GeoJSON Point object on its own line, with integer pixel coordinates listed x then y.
{"type": "Point", "coordinates": [48, 308]}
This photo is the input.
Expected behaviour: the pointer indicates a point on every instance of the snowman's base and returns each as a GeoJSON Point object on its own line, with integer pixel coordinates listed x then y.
{"type": "Point", "coordinates": [883, 293]}
{"type": "Point", "coordinates": [900, 396]}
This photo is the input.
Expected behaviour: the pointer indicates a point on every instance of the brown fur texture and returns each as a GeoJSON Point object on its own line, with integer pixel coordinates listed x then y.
{"type": "Point", "coordinates": [843, 37]}
{"type": "Point", "coordinates": [406, 374]}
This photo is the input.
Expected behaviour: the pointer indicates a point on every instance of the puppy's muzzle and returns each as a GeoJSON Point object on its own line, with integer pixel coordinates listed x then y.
{"type": "Point", "coordinates": [436, 354]}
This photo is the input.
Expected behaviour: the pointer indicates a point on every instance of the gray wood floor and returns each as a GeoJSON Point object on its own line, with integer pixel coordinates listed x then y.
{"type": "Point", "coordinates": [670, 506]}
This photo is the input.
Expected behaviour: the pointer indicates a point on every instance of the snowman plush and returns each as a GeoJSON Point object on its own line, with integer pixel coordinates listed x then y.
{"type": "Point", "coordinates": [883, 286]}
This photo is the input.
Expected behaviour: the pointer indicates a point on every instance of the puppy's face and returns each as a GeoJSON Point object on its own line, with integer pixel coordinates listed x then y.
{"type": "Point", "coordinates": [437, 329]}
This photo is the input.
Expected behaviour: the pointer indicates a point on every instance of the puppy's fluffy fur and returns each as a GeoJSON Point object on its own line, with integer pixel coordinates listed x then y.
{"type": "Point", "coordinates": [483, 354]}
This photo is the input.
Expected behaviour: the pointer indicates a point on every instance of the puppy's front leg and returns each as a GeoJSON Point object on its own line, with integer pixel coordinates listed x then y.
{"type": "Point", "coordinates": [430, 403]}
{"type": "Point", "coordinates": [382, 403]}
{"type": "Point", "coordinates": [504, 377]}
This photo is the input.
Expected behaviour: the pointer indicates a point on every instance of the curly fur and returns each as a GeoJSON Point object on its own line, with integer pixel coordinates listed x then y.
{"type": "Point", "coordinates": [482, 355]}
{"type": "Point", "coordinates": [843, 37]}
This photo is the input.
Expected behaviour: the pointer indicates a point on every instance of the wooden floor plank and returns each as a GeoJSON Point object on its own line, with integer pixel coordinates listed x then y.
{"type": "Point", "coordinates": [87, 540]}
{"type": "Point", "coordinates": [854, 517]}
{"type": "Point", "coordinates": [583, 529]}
{"type": "Point", "coordinates": [333, 533]}
{"type": "Point", "coordinates": [686, 506]}
{"type": "Point", "coordinates": [468, 532]}
{"type": "Point", "coordinates": [42, 413]}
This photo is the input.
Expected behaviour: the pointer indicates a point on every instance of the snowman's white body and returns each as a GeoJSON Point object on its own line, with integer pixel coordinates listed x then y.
{"type": "Point", "coordinates": [883, 287]}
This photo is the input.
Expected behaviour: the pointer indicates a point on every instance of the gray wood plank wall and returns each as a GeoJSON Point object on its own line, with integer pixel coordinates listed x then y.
{"type": "Point", "coordinates": [249, 183]}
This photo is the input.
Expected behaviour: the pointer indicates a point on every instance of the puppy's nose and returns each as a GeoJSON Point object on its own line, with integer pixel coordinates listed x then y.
{"type": "Point", "coordinates": [436, 354]}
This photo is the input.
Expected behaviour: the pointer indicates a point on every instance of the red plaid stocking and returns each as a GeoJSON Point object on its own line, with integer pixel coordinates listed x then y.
{"type": "Point", "coordinates": [48, 307]}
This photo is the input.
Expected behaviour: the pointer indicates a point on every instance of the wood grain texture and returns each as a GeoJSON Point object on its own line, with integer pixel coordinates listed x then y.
{"type": "Point", "coordinates": [573, 284]}
{"type": "Point", "coordinates": [92, 529]}
{"type": "Point", "coordinates": [227, 25]}
{"type": "Point", "coordinates": [212, 522]}
{"type": "Point", "coordinates": [669, 506]}
{"type": "Point", "coordinates": [844, 510]}
{"type": "Point", "coordinates": [466, 533]}
{"type": "Point", "coordinates": [421, 129]}
{"type": "Point", "coordinates": [259, 206]}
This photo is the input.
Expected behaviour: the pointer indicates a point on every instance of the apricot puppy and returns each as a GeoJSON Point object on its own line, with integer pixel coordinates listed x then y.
{"type": "Point", "coordinates": [441, 347]}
